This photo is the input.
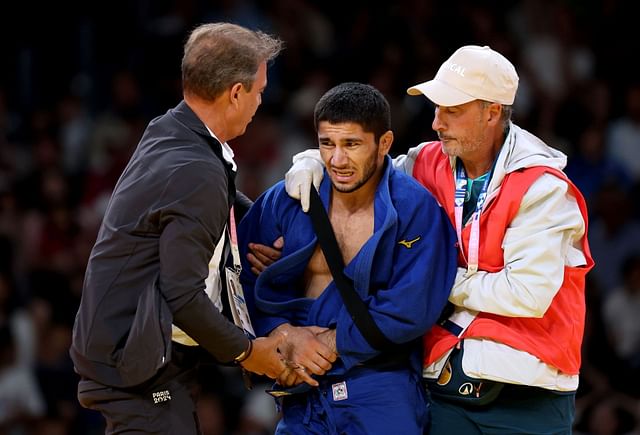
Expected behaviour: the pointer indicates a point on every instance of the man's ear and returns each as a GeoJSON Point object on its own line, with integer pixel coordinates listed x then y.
{"type": "Point", "coordinates": [234, 93]}
{"type": "Point", "coordinates": [385, 142]}
{"type": "Point", "coordinates": [495, 113]}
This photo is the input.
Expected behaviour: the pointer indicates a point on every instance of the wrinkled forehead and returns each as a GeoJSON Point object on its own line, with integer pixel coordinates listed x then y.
{"type": "Point", "coordinates": [343, 130]}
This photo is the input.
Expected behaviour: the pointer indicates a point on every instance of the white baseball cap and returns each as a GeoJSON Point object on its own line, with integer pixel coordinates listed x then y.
{"type": "Point", "coordinates": [471, 73]}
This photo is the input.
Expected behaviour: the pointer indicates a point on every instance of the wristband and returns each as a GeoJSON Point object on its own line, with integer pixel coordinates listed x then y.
{"type": "Point", "coordinates": [245, 354]}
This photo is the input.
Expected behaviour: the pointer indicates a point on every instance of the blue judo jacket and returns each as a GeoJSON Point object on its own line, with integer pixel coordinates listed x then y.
{"type": "Point", "coordinates": [403, 273]}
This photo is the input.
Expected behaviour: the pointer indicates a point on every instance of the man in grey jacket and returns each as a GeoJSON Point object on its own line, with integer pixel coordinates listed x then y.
{"type": "Point", "coordinates": [148, 267]}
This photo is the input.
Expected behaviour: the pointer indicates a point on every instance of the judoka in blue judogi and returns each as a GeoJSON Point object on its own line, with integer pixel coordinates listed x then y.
{"type": "Point", "coordinates": [403, 272]}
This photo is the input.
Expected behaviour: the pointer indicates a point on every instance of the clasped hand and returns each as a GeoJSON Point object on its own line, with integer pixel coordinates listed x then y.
{"type": "Point", "coordinates": [306, 351]}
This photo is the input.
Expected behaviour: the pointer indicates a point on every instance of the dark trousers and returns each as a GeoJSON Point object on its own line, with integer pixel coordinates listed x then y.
{"type": "Point", "coordinates": [517, 410]}
{"type": "Point", "coordinates": [164, 405]}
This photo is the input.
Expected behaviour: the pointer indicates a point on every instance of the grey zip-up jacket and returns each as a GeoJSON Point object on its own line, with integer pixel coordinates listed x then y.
{"type": "Point", "coordinates": [148, 266]}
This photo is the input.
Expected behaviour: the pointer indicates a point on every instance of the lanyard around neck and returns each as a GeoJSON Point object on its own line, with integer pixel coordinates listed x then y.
{"type": "Point", "coordinates": [461, 190]}
{"type": "Point", "coordinates": [233, 239]}
{"type": "Point", "coordinates": [474, 238]}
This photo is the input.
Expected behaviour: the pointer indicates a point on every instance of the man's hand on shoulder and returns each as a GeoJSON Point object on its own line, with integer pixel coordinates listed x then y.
{"type": "Point", "coordinates": [307, 169]}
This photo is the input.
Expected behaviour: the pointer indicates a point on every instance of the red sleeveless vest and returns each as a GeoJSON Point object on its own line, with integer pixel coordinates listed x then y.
{"type": "Point", "coordinates": [555, 338]}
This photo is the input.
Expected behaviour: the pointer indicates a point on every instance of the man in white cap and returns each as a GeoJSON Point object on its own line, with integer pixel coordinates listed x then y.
{"type": "Point", "coordinates": [505, 357]}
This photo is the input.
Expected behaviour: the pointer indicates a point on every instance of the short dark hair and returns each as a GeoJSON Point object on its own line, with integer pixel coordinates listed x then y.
{"type": "Point", "coordinates": [218, 55]}
{"type": "Point", "coordinates": [355, 102]}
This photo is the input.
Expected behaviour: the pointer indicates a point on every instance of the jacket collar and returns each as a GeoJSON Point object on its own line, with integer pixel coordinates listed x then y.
{"type": "Point", "coordinates": [183, 113]}
{"type": "Point", "coordinates": [385, 217]}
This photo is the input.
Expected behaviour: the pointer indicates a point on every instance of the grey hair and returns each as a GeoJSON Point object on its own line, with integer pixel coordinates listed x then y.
{"type": "Point", "coordinates": [505, 116]}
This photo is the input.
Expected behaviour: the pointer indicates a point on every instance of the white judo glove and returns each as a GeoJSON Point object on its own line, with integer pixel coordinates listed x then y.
{"type": "Point", "coordinates": [307, 168]}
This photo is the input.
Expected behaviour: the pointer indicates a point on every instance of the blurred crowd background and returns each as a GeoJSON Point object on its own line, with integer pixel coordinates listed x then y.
{"type": "Point", "coordinates": [80, 80]}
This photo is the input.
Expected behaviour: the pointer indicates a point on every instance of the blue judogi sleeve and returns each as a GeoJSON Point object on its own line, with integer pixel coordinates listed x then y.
{"type": "Point", "coordinates": [253, 229]}
{"type": "Point", "coordinates": [275, 214]}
